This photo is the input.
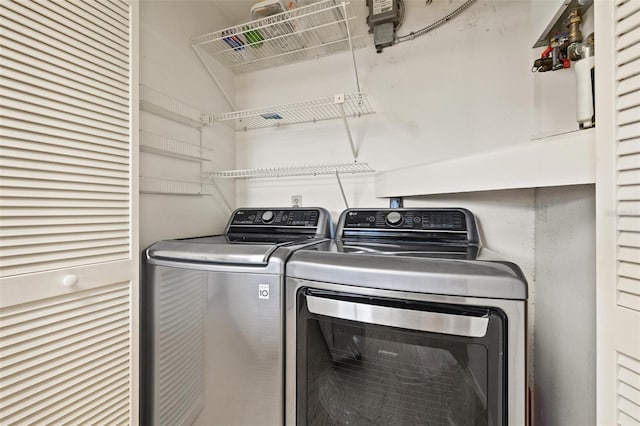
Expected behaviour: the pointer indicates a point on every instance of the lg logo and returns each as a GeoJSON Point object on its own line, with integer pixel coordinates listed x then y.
{"type": "Point", "coordinates": [263, 291]}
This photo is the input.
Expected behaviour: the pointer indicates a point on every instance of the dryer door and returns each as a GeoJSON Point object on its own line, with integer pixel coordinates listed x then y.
{"type": "Point", "coordinates": [369, 360]}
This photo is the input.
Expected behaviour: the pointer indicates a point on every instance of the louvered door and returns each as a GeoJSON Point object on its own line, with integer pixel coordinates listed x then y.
{"type": "Point", "coordinates": [68, 243]}
{"type": "Point", "coordinates": [617, 31]}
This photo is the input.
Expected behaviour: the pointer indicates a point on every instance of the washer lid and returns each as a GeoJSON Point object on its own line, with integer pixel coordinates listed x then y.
{"type": "Point", "coordinates": [493, 279]}
{"type": "Point", "coordinates": [216, 249]}
{"type": "Point", "coordinates": [251, 237]}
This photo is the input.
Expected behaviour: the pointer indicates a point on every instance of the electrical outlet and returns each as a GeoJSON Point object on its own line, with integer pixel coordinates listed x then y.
{"type": "Point", "coordinates": [296, 200]}
{"type": "Point", "coordinates": [396, 203]}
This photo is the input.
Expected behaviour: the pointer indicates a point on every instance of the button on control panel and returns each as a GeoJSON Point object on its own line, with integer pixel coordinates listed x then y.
{"type": "Point", "coordinates": [394, 219]}
{"type": "Point", "coordinates": [268, 216]}
{"type": "Point", "coordinates": [298, 217]}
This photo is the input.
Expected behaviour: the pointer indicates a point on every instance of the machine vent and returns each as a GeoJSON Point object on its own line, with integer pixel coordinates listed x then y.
{"type": "Point", "coordinates": [628, 390]}
{"type": "Point", "coordinates": [627, 43]}
{"type": "Point", "coordinates": [179, 363]}
{"type": "Point", "coordinates": [65, 124]}
{"type": "Point", "coordinates": [67, 360]}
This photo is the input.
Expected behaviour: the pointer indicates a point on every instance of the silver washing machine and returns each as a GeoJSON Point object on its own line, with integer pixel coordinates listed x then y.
{"type": "Point", "coordinates": [405, 319]}
{"type": "Point", "coordinates": [212, 320]}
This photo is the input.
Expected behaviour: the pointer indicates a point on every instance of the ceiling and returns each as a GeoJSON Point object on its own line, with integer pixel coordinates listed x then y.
{"type": "Point", "coordinates": [235, 11]}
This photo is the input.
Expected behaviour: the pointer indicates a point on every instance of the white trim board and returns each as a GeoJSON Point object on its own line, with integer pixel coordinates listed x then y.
{"type": "Point", "coordinates": [565, 159]}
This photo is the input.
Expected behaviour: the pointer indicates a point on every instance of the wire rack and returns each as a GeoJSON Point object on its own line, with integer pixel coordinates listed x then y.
{"type": "Point", "coordinates": [154, 185]}
{"type": "Point", "coordinates": [303, 33]}
{"type": "Point", "coordinates": [157, 144]}
{"type": "Point", "coordinates": [338, 106]}
{"type": "Point", "coordinates": [165, 106]}
{"type": "Point", "coordinates": [309, 170]}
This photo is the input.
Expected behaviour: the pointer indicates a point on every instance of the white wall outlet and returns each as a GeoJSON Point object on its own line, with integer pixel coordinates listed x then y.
{"type": "Point", "coordinates": [296, 200]}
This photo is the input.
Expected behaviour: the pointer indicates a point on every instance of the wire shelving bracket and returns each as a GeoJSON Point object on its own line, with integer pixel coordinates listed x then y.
{"type": "Point", "coordinates": [335, 169]}
{"type": "Point", "coordinates": [165, 106]}
{"type": "Point", "coordinates": [307, 170]}
{"type": "Point", "coordinates": [310, 111]}
{"type": "Point", "coordinates": [162, 145]}
{"type": "Point", "coordinates": [156, 185]}
{"type": "Point", "coordinates": [308, 32]}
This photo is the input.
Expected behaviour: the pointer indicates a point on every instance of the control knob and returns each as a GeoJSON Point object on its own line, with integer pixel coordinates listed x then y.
{"type": "Point", "coordinates": [268, 216]}
{"type": "Point", "coordinates": [394, 219]}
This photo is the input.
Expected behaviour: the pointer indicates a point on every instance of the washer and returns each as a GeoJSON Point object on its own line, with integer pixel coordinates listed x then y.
{"type": "Point", "coordinates": [405, 319]}
{"type": "Point", "coordinates": [212, 320]}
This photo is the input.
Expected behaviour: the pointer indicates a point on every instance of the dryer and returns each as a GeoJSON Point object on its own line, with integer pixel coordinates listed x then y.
{"type": "Point", "coordinates": [405, 319]}
{"type": "Point", "coordinates": [212, 319]}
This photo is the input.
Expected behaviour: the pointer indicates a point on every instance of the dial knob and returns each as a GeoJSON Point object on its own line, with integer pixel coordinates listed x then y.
{"type": "Point", "coordinates": [268, 216]}
{"type": "Point", "coordinates": [394, 218]}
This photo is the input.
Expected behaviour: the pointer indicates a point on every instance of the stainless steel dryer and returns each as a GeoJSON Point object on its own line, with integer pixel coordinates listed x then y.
{"type": "Point", "coordinates": [212, 320]}
{"type": "Point", "coordinates": [405, 319]}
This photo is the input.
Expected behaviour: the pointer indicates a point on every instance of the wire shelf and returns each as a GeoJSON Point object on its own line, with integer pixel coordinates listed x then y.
{"type": "Point", "coordinates": [311, 111]}
{"type": "Point", "coordinates": [303, 33]}
{"type": "Point", "coordinates": [165, 106]}
{"type": "Point", "coordinates": [309, 170]}
{"type": "Point", "coordinates": [156, 144]}
{"type": "Point", "coordinates": [154, 185]}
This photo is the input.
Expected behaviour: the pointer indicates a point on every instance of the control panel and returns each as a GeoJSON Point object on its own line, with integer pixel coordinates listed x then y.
{"type": "Point", "coordinates": [425, 225]}
{"type": "Point", "coordinates": [407, 219]}
{"type": "Point", "coordinates": [261, 217]}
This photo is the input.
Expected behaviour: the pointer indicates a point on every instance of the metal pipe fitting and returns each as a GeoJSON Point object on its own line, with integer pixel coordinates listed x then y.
{"type": "Point", "coordinates": [575, 20]}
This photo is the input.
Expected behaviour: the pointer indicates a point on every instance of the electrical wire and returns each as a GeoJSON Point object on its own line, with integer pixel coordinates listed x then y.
{"type": "Point", "coordinates": [423, 31]}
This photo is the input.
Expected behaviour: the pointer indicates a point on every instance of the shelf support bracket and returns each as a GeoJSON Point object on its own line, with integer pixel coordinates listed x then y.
{"type": "Point", "coordinates": [353, 55]}
{"type": "Point", "coordinates": [354, 151]}
{"type": "Point", "coordinates": [214, 78]}
{"type": "Point", "coordinates": [344, 197]}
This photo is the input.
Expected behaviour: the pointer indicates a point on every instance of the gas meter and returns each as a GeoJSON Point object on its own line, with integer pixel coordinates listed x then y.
{"type": "Point", "coordinates": [383, 19]}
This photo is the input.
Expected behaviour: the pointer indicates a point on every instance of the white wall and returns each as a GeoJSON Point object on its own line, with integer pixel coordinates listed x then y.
{"type": "Point", "coordinates": [463, 88]}
{"type": "Point", "coordinates": [565, 323]}
{"type": "Point", "coordinates": [168, 65]}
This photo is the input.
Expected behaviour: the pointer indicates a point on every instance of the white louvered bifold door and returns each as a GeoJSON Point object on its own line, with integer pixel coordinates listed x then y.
{"type": "Point", "coordinates": [617, 32]}
{"type": "Point", "coordinates": [68, 212]}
